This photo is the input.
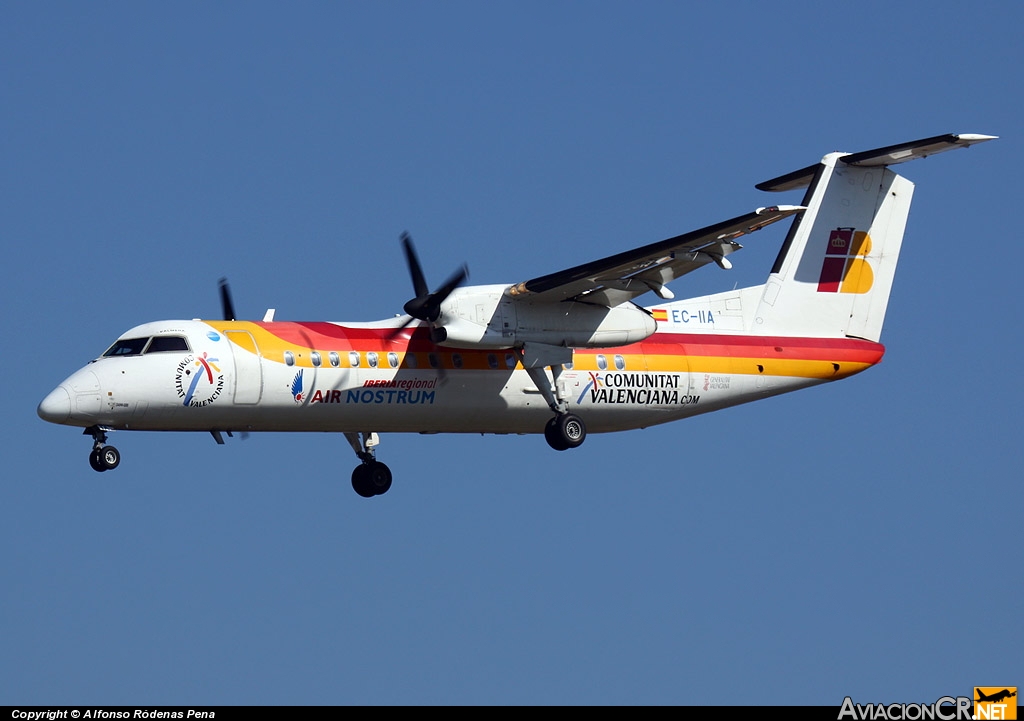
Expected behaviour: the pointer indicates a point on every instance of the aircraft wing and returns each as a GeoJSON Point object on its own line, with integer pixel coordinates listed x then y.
{"type": "Point", "coordinates": [619, 278]}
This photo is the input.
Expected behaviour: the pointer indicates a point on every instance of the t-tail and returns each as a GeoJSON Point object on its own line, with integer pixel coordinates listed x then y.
{"type": "Point", "coordinates": [834, 273]}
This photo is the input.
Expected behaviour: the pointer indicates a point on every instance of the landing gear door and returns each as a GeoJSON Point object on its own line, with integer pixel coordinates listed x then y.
{"type": "Point", "coordinates": [248, 367]}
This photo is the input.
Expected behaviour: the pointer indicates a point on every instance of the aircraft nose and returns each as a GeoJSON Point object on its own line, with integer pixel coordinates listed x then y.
{"type": "Point", "coordinates": [56, 407]}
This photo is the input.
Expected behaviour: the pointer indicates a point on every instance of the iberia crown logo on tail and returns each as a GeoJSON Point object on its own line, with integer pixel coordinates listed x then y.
{"type": "Point", "coordinates": [845, 268]}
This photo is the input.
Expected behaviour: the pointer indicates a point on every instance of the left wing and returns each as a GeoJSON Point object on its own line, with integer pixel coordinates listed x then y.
{"type": "Point", "coordinates": [620, 278]}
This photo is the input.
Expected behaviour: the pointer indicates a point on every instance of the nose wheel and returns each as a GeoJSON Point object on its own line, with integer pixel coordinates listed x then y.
{"type": "Point", "coordinates": [106, 458]}
{"type": "Point", "coordinates": [101, 457]}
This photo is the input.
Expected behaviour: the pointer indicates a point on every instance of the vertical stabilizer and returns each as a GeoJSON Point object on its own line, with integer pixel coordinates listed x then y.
{"type": "Point", "coordinates": [835, 270]}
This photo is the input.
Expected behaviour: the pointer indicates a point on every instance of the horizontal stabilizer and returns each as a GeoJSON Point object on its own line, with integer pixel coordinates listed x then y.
{"type": "Point", "coordinates": [889, 155]}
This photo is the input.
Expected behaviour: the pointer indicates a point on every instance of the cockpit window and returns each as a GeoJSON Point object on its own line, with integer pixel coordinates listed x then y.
{"type": "Point", "coordinates": [167, 343]}
{"type": "Point", "coordinates": [126, 346]}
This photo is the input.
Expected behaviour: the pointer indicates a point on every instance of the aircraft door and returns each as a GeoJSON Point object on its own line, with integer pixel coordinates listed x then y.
{"type": "Point", "coordinates": [248, 367]}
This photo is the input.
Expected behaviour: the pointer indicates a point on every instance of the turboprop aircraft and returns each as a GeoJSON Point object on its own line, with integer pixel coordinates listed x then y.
{"type": "Point", "coordinates": [563, 354]}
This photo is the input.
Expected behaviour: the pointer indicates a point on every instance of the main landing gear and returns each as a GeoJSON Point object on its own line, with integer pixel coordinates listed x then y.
{"type": "Point", "coordinates": [371, 477]}
{"type": "Point", "coordinates": [566, 430]}
{"type": "Point", "coordinates": [101, 457]}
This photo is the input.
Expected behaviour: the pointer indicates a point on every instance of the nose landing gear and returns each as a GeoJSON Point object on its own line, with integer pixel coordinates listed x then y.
{"type": "Point", "coordinates": [101, 457]}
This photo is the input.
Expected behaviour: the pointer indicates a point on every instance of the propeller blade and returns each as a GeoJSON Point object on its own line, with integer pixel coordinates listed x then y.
{"type": "Point", "coordinates": [419, 282]}
{"type": "Point", "coordinates": [454, 281]}
{"type": "Point", "coordinates": [225, 299]}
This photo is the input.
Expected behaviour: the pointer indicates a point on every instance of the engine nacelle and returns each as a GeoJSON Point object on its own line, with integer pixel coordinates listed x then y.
{"type": "Point", "coordinates": [484, 316]}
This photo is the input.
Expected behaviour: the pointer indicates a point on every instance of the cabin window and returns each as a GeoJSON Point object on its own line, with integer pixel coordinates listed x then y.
{"type": "Point", "coordinates": [620, 362]}
{"type": "Point", "coordinates": [457, 360]}
{"type": "Point", "coordinates": [393, 360]}
{"type": "Point", "coordinates": [492, 361]}
{"type": "Point", "coordinates": [167, 344]}
{"type": "Point", "coordinates": [410, 360]}
{"type": "Point", "coordinates": [334, 358]}
{"type": "Point", "coordinates": [128, 346]}
{"type": "Point", "coordinates": [602, 363]}
{"type": "Point", "coordinates": [432, 359]}
{"type": "Point", "coordinates": [353, 359]}
{"type": "Point", "coordinates": [567, 366]}
{"type": "Point", "coordinates": [289, 358]}
{"type": "Point", "coordinates": [371, 359]}
{"type": "Point", "coordinates": [510, 361]}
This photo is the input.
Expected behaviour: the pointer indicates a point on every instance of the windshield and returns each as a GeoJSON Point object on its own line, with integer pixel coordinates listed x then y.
{"type": "Point", "coordinates": [126, 346]}
{"type": "Point", "coordinates": [136, 346]}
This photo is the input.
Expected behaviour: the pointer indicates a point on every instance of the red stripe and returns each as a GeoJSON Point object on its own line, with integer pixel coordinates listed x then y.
{"type": "Point", "coordinates": [324, 335]}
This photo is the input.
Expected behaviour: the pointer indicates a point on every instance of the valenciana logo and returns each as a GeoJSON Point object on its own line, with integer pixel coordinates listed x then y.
{"type": "Point", "coordinates": [196, 382]}
{"type": "Point", "coordinates": [845, 268]}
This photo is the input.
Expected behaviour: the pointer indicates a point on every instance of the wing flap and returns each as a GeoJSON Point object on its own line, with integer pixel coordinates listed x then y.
{"type": "Point", "coordinates": [620, 278]}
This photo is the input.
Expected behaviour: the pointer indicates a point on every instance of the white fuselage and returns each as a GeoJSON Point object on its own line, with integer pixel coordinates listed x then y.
{"type": "Point", "coordinates": [332, 377]}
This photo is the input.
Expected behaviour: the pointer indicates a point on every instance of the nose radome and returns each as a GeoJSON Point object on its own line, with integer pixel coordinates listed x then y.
{"type": "Point", "coordinates": [56, 407]}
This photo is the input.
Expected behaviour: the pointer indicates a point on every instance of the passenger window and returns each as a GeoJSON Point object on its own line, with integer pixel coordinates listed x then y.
{"type": "Point", "coordinates": [393, 360]}
{"type": "Point", "coordinates": [289, 358]}
{"type": "Point", "coordinates": [353, 359]}
{"type": "Point", "coordinates": [434, 362]}
{"type": "Point", "coordinates": [129, 346]}
{"type": "Point", "coordinates": [510, 361]}
{"type": "Point", "coordinates": [620, 362]}
{"type": "Point", "coordinates": [314, 357]}
{"type": "Point", "coordinates": [334, 358]}
{"type": "Point", "coordinates": [409, 360]}
{"type": "Point", "coordinates": [167, 344]}
{"type": "Point", "coordinates": [457, 360]}
{"type": "Point", "coordinates": [492, 361]}
{"type": "Point", "coordinates": [602, 362]}
{"type": "Point", "coordinates": [371, 359]}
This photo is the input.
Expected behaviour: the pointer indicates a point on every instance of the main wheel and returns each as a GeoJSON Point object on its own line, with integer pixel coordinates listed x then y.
{"type": "Point", "coordinates": [361, 482]}
{"type": "Point", "coordinates": [553, 437]}
{"type": "Point", "coordinates": [380, 477]}
{"type": "Point", "coordinates": [565, 431]}
{"type": "Point", "coordinates": [571, 429]}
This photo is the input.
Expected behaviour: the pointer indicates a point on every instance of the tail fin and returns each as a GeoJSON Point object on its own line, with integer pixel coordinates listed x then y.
{"type": "Point", "coordinates": [834, 273]}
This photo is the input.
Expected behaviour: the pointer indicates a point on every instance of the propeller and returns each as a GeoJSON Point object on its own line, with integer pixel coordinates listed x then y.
{"type": "Point", "coordinates": [426, 306]}
{"type": "Point", "coordinates": [225, 299]}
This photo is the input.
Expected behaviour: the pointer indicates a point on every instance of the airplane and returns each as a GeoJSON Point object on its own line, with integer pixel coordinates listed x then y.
{"type": "Point", "coordinates": [996, 697]}
{"type": "Point", "coordinates": [564, 354]}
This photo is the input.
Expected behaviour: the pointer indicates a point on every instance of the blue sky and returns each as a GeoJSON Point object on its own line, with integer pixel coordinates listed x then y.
{"type": "Point", "coordinates": [854, 539]}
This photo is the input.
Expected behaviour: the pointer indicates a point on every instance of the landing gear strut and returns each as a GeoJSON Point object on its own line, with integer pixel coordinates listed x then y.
{"type": "Point", "coordinates": [371, 477]}
{"type": "Point", "coordinates": [101, 457]}
{"type": "Point", "coordinates": [566, 430]}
